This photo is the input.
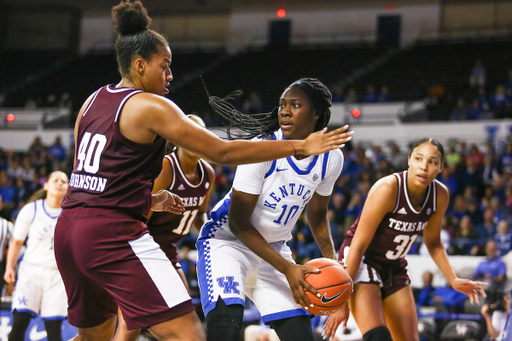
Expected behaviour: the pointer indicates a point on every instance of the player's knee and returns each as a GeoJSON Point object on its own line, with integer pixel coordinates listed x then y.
{"type": "Point", "coordinates": [378, 334]}
{"type": "Point", "coordinates": [224, 323]}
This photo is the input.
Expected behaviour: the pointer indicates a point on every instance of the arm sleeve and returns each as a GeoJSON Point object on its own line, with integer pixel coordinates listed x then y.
{"type": "Point", "coordinates": [249, 178]}
{"type": "Point", "coordinates": [24, 221]}
{"type": "Point", "coordinates": [332, 172]}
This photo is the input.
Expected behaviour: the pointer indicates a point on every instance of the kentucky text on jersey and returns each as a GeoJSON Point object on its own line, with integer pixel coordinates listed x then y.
{"type": "Point", "coordinates": [92, 183]}
{"type": "Point", "coordinates": [284, 192]}
{"type": "Point", "coordinates": [193, 201]}
{"type": "Point", "coordinates": [405, 226]}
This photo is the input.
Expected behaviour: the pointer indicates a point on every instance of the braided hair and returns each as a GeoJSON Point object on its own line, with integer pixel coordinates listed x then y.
{"type": "Point", "coordinates": [264, 124]}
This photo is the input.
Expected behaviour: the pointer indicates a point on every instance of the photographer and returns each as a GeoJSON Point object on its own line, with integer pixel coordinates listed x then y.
{"type": "Point", "coordinates": [497, 316]}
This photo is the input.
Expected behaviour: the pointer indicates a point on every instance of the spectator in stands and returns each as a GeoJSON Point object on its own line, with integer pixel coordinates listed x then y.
{"type": "Point", "coordinates": [452, 157]}
{"type": "Point", "coordinates": [503, 238]}
{"type": "Point", "coordinates": [491, 270]}
{"type": "Point", "coordinates": [426, 294]}
{"type": "Point", "coordinates": [486, 229]}
{"type": "Point", "coordinates": [338, 94]}
{"type": "Point", "coordinates": [461, 111]}
{"type": "Point", "coordinates": [497, 317]}
{"type": "Point", "coordinates": [505, 158]}
{"type": "Point", "coordinates": [483, 99]}
{"type": "Point", "coordinates": [384, 95]}
{"type": "Point", "coordinates": [397, 158]}
{"type": "Point", "coordinates": [448, 300]}
{"type": "Point", "coordinates": [354, 207]}
{"type": "Point", "coordinates": [449, 179]}
{"type": "Point", "coordinates": [253, 104]}
{"type": "Point", "coordinates": [489, 170]}
{"type": "Point", "coordinates": [370, 96]}
{"type": "Point", "coordinates": [477, 77]}
{"type": "Point", "coordinates": [37, 146]}
{"type": "Point", "coordinates": [466, 242]}
{"type": "Point", "coordinates": [473, 210]}
{"type": "Point", "coordinates": [56, 151]}
{"type": "Point", "coordinates": [477, 156]}
{"type": "Point", "coordinates": [470, 175]}
{"type": "Point", "coordinates": [351, 96]}
{"type": "Point", "coordinates": [500, 101]}
{"type": "Point", "coordinates": [27, 171]}
{"type": "Point", "coordinates": [459, 207]}
{"type": "Point", "coordinates": [475, 112]}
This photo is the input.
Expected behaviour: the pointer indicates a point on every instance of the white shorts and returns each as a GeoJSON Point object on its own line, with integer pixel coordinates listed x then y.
{"type": "Point", "coordinates": [40, 289]}
{"type": "Point", "coordinates": [227, 268]}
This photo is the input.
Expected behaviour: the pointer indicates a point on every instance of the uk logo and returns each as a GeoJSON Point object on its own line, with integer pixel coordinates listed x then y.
{"type": "Point", "coordinates": [229, 286]}
{"type": "Point", "coordinates": [22, 300]}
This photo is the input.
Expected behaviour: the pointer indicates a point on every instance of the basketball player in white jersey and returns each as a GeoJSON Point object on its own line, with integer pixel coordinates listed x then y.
{"type": "Point", "coordinates": [6, 228]}
{"type": "Point", "coordinates": [242, 249]}
{"type": "Point", "coordinates": [39, 288]}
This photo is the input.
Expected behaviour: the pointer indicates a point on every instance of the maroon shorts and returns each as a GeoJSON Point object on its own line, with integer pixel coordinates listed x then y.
{"type": "Point", "coordinates": [391, 277]}
{"type": "Point", "coordinates": [108, 260]}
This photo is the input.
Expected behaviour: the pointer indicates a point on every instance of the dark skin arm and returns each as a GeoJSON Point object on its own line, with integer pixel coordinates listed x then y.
{"type": "Point", "coordinates": [316, 212]}
{"type": "Point", "coordinates": [146, 115]}
{"type": "Point", "coordinates": [241, 209]}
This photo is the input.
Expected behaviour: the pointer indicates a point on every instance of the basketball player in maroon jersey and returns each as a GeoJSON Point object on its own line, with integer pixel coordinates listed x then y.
{"type": "Point", "coordinates": [399, 207]}
{"type": "Point", "coordinates": [192, 179]}
{"type": "Point", "coordinates": [103, 250]}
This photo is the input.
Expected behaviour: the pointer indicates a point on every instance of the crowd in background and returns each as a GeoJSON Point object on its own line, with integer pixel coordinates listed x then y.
{"type": "Point", "coordinates": [479, 178]}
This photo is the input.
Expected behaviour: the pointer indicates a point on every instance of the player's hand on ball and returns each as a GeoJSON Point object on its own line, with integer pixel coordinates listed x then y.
{"type": "Point", "coordinates": [165, 201]}
{"type": "Point", "coordinates": [295, 276]}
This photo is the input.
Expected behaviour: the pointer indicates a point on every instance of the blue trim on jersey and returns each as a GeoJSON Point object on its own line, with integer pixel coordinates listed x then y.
{"type": "Point", "coordinates": [44, 209]}
{"type": "Point", "coordinates": [227, 301]}
{"type": "Point", "coordinates": [284, 314]}
{"type": "Point", "coordinates": [324, 164]}
{"type": "Point", "coordinates": [54, 318]}
{"type": "Point", "coordinates": [218, 216]}
{"type": "Point", "coordinates": [32, 313]}
{"type": "Point", "coordinates": [272, 168]}
{"type": "Point", "coordinates": [302, 172]}
{"type": "Point", "coordinates": [35, 211]}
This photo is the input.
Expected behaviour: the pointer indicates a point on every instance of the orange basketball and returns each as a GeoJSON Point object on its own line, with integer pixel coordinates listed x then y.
{"type": "Point", "coordinates": [333, 283]}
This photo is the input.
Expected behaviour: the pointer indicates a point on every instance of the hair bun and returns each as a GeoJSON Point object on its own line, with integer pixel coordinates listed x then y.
{"type": "Point", "coordinates": [130, 18]}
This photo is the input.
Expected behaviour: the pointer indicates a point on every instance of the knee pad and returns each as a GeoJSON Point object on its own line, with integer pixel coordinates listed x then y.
{"type": "Point", "coordinates": [378, 334]}
{"type": "Point", "coordinates": [224, 323]}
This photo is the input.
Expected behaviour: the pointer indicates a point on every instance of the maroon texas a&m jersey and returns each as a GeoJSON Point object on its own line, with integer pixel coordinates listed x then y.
{"type": "Point", "coordinates": [398, 229]}
{"type": "Point", "coordinates": [168, 229]}
{"type": "Point", "coordinates": [112, 171]}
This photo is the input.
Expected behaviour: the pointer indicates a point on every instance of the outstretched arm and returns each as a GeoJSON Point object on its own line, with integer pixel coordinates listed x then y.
{"type": "Point", "coordinates": [432, 238]}
{"type": "Point", "coordinates": [146, 115]}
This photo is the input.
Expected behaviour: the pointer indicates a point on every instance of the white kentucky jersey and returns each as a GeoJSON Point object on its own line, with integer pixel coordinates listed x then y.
{"type": "Point", "coordinates": [284, 187]}
{"type": "Point", "coordinates": [37, 221]}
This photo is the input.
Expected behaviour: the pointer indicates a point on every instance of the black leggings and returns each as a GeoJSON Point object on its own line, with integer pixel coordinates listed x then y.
{"type": "Point", "coordinates": [20, 322]}
{"type": "Point", "coordinates": [296, 328]}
